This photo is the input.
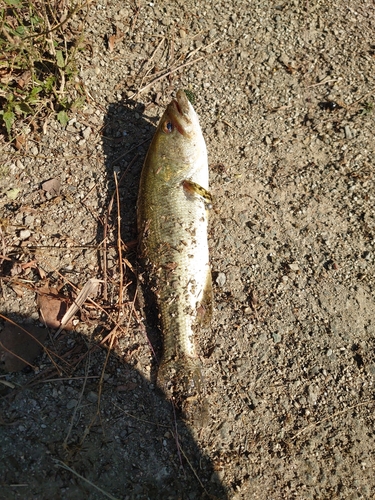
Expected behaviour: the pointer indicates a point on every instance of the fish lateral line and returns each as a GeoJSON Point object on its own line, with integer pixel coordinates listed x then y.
{"type": "Point", "coordinates": [192, 188]}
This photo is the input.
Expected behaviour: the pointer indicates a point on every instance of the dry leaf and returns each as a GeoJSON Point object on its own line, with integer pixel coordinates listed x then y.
{"type": "Point", "coordinates": [52, 308]}
{"type": "Point", "coordinates": [42, 273]}
{"type": "Point", "coordinates": [19, 267]}
{"type": "Point", "coordinates": [19, 142]}
{"type": "Point", "coordinates": [16, 269]}
{"type": "Point", "coordinates": [24, 79]}
{"type": "Point", "coordinates": [111, 42]}
{"type": "Point", "coordinates": [19, 347]}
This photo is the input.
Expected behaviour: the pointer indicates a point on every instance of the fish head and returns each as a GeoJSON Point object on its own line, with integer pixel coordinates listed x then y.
{"type": "Point", "coordinates": [178, 144]}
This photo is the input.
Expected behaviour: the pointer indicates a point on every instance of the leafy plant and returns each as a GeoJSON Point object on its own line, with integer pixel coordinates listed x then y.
{"type": "Point", "coordinates": [38, 46]}
{"type": "Point", "coordinates": [368, 108]}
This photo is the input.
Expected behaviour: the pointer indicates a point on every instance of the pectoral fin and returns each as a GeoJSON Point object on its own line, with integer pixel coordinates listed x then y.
{"type": "Point", "coordinates": [192, 188]}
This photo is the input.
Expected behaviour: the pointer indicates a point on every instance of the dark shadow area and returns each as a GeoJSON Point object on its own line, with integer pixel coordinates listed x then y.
{"type": "Point", "coordinates": [128, 449]}
{"type": "Point", "coordinates": [127, 135]}
{"type": "Point", "coordinates": [133, 447]}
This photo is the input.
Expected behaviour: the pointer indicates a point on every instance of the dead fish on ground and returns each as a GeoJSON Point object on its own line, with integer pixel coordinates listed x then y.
{"type": "Point", "coordinates": [173, 205]}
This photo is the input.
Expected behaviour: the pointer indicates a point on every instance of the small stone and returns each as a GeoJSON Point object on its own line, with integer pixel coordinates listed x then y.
{"type": "Point", "coordinates": [71, 404]}
{"type": "Point", "coordinates": [276, 337]}
{"type": "Point", "coordinates": [329, 352]}
{"type": "Point", "coordinates": [29, 220]}
{"type": "Point", "coordinates": [294, 266]}
{"type": "Point", "coordinates": [86, 133]}
{"type": "Point", "coordinates": [25, 234]}
{"type": "Point", "coordinates": [92, 397]}
{"type": "Point", "coordinates": [221, 279]}
{"type": "Point", "coordinates": [348, 132]}
{"type": "Point", "coordinates": [314, 371]}
{"type": "Point", "coordinates": [313, 394]}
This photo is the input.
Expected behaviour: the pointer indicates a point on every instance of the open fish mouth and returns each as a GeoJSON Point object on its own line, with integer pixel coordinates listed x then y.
{"type": "Point", "coordinates": [182, 103]}
{"type": "Point", "coordinates": [180, 112]}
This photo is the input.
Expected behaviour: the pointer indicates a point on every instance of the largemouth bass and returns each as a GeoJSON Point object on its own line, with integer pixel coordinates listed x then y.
{"type": "Point", "coordinates": [173, 206]}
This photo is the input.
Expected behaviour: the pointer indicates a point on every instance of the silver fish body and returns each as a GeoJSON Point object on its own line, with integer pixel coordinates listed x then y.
{"type": "Point", "coordinates": [172, 223]}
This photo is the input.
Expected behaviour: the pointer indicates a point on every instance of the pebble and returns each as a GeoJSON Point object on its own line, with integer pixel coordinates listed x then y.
{"type": "Point", "coordinates": [86, 133]}
{"type": "Point", "coordinates": [348, 132]}
{"type": "Point", "coordinates": [29, 220]}
{"type": "Point", "coordinates": [294, 266]}
{"type": "Point", "coordinates": [71, 404]}
{"type": "Point", "coordinates": [221, 279]}
{"type": "Point", "coordinates": [313, 394]}
{"type": "Point", "coordinates": [276, 337]}
{"type": "Point", "coordinates": [92, 397]}
{"type": "Point", "coordinates": [25, 234]}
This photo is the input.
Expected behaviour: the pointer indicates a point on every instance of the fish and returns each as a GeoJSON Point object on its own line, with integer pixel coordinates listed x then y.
{"type": "Point", "coordinates": [172, 217]}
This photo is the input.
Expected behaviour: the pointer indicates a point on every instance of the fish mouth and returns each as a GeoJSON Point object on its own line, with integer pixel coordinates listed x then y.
{"type": "Point", "coordinates": [179, 112]}
{"type": "Point", "coordinates": [182, 103]}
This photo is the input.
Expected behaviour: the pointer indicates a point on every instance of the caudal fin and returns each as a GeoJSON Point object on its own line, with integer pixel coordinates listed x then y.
{"type": "Point", "coordinates": [182, 382]}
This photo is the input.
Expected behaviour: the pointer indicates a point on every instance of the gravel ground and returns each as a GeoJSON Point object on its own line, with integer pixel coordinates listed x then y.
{"type": "Point", "coordinates": [285, 92]}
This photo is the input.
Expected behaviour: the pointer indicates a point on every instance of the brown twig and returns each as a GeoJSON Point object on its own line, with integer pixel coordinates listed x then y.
{"type": "Point", "coordinates": [63, 465]}
{"type": "Point", "coordinates": [150, 60]}
{"type": "Point", "coordinates": [323, 82]}
{"type": "Point", "coordinates": [188, 63]}
{"type": "Point", "coordinates": [106, 223]}
{"type": "Point", "coordinates": [119, 248]}
{"type": "Point", "coordinates": [65, 444]}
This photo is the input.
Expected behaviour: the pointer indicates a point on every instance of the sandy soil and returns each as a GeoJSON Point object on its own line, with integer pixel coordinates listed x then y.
{"type": "Point", "coordinates": [285, 92]}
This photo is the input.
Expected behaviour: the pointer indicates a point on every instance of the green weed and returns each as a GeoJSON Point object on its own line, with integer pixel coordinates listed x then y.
{"type": "Point", "coordinates": [39, 41]}
{"type": "Point", "coordinates": [368, 108]}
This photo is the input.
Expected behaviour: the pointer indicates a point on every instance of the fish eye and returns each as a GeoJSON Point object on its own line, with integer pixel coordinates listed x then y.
{"type": "Point", "coordinates": [168, 127]}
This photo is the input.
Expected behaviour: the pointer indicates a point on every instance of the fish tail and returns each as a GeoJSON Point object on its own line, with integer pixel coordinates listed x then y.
{"type": "Point", "coordinates": [181, 377]}
{"type": "Point", "coordinates": [182, 381]}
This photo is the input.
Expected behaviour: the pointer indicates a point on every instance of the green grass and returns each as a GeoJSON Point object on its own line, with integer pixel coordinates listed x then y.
{"type": "Point", "coordinates": [38, 47]}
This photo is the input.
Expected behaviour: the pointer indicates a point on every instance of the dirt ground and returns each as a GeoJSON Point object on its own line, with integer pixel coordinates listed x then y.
{"type": "Point", "coordinates": [285, 93]}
